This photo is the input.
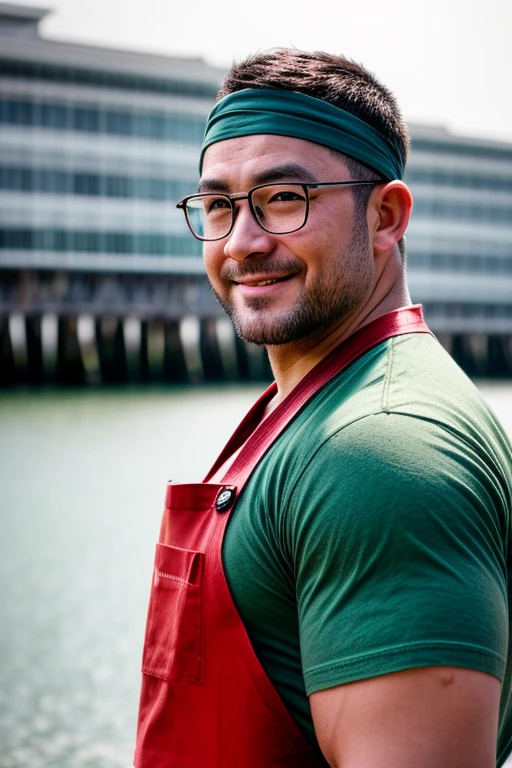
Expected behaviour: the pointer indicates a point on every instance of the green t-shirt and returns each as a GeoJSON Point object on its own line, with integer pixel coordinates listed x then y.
{"type": "Point", "coordinates": [374, 535]}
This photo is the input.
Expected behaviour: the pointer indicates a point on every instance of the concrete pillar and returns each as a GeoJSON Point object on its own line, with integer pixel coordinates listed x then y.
{"type": "Point", "coordinates": [49, 345]}
{"type": "Point", "coordinates": [190, 333]}
{"type": "Point", "coordinates": [132, 345]}
{"type": "Point", "coordinates": [18, 336]}
{"type": "Point", "coordinates": [86, 333]}
{"type": "Point", "coordinates": [155, 349]}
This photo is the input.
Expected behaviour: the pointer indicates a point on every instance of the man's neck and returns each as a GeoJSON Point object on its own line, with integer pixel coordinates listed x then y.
{"type": "Point", "coordinates": [291, 362]}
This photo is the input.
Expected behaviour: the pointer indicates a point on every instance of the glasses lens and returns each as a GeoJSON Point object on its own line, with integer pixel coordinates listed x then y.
{"type": "Point", "coordinates": [209, 216]}
{"type": "Point", "coordinates": [280, 208]}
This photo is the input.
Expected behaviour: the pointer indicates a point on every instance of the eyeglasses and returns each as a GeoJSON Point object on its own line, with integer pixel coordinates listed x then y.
{"type": "Point", "coordinates": [278, 208]}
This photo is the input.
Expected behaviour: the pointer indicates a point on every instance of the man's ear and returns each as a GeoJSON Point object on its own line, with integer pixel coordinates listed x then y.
{"type": "Point", "coordinates": [390, 209]}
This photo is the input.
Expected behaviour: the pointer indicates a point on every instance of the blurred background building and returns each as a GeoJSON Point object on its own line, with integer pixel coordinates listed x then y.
{"type": "Point", "coordinates": [100, 280]}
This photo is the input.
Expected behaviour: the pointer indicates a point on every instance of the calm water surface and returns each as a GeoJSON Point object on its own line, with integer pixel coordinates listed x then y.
{"type": "Point", "coordinates": [82, 479]}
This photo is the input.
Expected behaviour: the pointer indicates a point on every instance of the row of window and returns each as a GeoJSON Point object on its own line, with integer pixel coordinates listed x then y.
{"type": "Point", "coordinates": [452, 309]}
{"type": "Point", "coordinates": [459, 263]}
{"type": "Point", "coordinates": [458, 148]}
{"type": "Point", "coordinates": [459, 210]}
{"type": "Point", "coordinates": [118, 122]}
{"type": "Point", "coordinates": [464, 179]}
{"type": "Point", "coordinates": [94, 77]}
{"type": "Point", "coordinates": [92, 184]}
{"type": "Point", "coordinates": [63, 240]}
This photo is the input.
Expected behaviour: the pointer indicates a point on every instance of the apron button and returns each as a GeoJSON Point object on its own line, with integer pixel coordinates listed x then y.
{"type": "Point", "coordinates": [225, 499]}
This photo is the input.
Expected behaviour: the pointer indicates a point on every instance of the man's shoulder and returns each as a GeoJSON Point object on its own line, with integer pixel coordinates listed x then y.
{"type": "Point", "coordinates": [426, 384]}
{"type": "Point", "coordinates": [410, 375]}
{"type": "Point", "coordinates": [405, 402]}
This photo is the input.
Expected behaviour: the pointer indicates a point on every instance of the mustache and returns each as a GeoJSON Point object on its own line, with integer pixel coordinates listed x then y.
{"type": "Point", "coordinates": [266, 266]}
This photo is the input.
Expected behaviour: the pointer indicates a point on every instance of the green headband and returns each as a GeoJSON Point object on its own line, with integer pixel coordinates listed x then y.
{"type": "Point", "coordinates": [289, 113]}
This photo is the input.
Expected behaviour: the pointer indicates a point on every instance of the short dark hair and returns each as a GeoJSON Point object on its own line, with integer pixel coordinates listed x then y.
{"type": "Point", "coordinates": [335, 79]}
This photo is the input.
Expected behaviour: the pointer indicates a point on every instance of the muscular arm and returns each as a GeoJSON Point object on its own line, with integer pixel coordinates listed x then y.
{"type": "Point", "coordinates": [429, 717]}
{"type": "Point", "coordinates": [402, 596]}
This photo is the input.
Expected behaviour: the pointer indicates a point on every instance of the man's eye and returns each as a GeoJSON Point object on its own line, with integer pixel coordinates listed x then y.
{"type": "Point", "coordinates": [286, 197]}
{"type": "Point", "coordinates": [217, 204]}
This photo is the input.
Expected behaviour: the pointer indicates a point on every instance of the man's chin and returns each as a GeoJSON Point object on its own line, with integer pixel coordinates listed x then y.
{"type": "Point", "coordinates": [276, 332]}
{"type": "Point", "coordinates": [260, 324]}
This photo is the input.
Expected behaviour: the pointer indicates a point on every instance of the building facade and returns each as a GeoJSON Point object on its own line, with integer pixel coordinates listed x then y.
{"type": "Point", "coordinates": [99, 277]}
{"type": "Point", "coordinates": [460, 236]}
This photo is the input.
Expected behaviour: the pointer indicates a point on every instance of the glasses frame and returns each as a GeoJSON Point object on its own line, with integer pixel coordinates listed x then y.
{"type": "Point", "coordinates": [232, 199]}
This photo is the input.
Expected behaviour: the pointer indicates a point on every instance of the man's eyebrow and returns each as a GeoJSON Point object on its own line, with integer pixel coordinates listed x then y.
{"type": "Point", "coordinates": [212, 185]}
{"type": "Point", "coordinates": [285, 172]}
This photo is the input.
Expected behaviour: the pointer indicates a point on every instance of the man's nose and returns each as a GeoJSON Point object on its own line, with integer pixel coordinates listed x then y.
{"type": "Point", "coordinates": [247, 238]}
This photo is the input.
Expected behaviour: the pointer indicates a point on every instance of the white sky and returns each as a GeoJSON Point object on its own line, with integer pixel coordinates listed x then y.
{"type": "Point", "coordinates": [449, 62]}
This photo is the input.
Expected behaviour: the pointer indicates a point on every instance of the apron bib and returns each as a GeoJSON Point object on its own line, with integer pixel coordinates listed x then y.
{"type": "Point", "coordinates": [206, 701]}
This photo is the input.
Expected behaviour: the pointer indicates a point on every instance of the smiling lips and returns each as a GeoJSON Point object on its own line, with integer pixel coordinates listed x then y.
{"type": "Point", "coordinates": [267, 281]}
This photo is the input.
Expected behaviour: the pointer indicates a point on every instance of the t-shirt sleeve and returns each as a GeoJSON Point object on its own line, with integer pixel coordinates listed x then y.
{"type": "Point", "coordinates": [397, 532]}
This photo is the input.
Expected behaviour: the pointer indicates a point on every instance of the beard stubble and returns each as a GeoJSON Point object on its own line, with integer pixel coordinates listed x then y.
{"type": "Point", "coordinates": [333, 295]}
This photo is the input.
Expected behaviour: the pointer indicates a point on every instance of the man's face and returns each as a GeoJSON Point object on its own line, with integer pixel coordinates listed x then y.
{"type": "Point", "coordinates": [321, 274]}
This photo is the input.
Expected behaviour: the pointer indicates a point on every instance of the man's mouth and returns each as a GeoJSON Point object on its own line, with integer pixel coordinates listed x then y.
{"type": "Point", "coordinates": [268, 281]}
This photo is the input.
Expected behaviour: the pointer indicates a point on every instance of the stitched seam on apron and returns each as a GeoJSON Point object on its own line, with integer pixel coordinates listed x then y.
{"type": "Point", "coordinates": [170, 576]}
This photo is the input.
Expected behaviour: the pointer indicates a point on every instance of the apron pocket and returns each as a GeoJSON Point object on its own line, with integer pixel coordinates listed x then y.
{"type": "Point", "coordinates": [173, 643]}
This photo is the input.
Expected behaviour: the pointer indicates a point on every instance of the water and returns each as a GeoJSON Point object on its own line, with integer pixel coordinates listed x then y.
{"type": "Point", "coordinates": [82, 478]}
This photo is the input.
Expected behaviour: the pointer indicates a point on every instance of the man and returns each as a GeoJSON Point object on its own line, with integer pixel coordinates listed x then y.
{"type": "Point", "coordinates": [354, 610]}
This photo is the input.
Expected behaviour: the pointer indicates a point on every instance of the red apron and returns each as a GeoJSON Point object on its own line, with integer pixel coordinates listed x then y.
{"type": "Point", "coordinates": [206, 701]}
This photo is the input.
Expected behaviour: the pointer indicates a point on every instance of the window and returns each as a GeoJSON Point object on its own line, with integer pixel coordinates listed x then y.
{"type": "Point", "coordinates": [54, 116]}
{"type": "Point", "coordinates": [86, 119]}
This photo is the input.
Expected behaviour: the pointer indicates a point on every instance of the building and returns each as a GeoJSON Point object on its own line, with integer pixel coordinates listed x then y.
{"type": "Point", "coordinates": [101, 281]}
{"type": "Point", "coordinates": [460, 243]}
